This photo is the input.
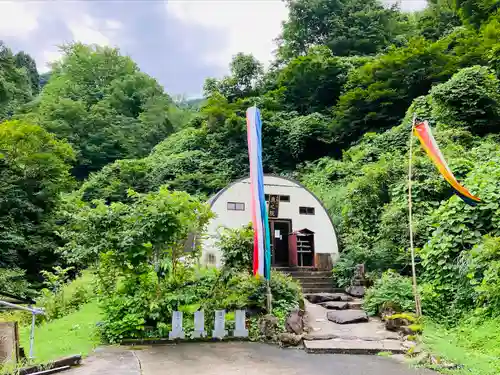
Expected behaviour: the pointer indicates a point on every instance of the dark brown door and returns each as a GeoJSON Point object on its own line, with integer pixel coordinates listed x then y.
{"type": "Point", "coordinates": [280, 229]}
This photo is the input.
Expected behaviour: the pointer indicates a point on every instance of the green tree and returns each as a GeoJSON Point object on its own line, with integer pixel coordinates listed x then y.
{"type": "Point", "coordinates": [475, 12]}
{"type": "Point", "coordinates": [23, 60]}
{"type": "Point", "coordinates": [313, 82]}
{"type": "Point", "coordinates": [470, 99]}
{"type": "Point", "coordinates": [104, 106]}
{"type": "Point", "coordinates": [378, 93]}
{"type": "Point", "coordinates": [15, 85]}
{"type": "Point", "coordinates": [347, 27]}
{"type": "Point", "coordinates": [438, 19]}
{"type": "Point", "coordinates": [34, 170]}
{"type": "Point", "coordinates": [246, 73]}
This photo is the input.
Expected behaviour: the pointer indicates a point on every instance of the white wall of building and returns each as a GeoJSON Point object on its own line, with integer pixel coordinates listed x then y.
{"type": "Point", "coordinates": [324, 234]}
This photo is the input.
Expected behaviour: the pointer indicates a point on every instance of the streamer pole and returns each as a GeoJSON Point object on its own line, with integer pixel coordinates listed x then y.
{"type": "Point", "coordinates": [418, 308]}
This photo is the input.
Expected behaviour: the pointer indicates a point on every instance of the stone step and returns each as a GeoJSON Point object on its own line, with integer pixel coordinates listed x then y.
{"type": "Point", "coordinates": [313, 289]}
{"type": "Point", "coordinates": [341, 346]}
{"type": "Point", "coordinates": [313, 283]}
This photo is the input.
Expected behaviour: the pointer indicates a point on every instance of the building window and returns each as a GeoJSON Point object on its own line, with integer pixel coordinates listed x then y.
{"type": "Point", "coordinates": [235, 206]}
{"type": "Point", "coordinates": [306, 210]}
{"type": "Point", "coordinates": [211, 259]}
{"type": "Point", "coordinates": [283, 198]}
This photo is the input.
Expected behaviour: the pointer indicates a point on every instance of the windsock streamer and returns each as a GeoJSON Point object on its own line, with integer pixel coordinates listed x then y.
{"type": "Point", "coordinates": [262, 238]}
{"type": "Point", "coordinates": [423, 132]}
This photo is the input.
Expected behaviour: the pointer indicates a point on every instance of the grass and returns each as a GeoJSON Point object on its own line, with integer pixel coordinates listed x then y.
{"type": "Point", "coordinates": [473, 344]}
{"type": "Point", "coordinates": [73, 334]}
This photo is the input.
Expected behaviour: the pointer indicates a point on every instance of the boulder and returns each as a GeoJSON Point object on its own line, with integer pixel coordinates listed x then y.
{"type": "Point", "coordinates": [347, 316]}
{"type": "Point", "coordinates": [356, 291]}
{"type": "Point", "coordinates": [268, 326]}
{"type": "Point", "coordinates": [335, 305]}
{"type": "Point", "coordinates": [326, 297]}
{"type": "Point", "coordinates": [295, 322]}
{"type": "Point", "coordinates": [289, 339]}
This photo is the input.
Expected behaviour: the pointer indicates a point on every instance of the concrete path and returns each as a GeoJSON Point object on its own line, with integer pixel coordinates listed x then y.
{"type": "Point", "coordinates": [238, 358]}
{"type": "Point", "coordinates": [359, 338]}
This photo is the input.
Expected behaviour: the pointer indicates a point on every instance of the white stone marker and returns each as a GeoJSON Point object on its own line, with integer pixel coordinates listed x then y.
{"type": "Point", "coordinates": [240, 329]}
{"type": "Point", "coordinates": [177, 331]}
{"type": "Point", "coordinates": [199, 324]}
{"type": "Point", "coordinates": [220, 324]}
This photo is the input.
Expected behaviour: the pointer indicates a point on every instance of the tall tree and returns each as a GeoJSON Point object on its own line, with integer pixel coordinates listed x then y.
{"type": "Point", "coordinates": [347, 27]}
{"type": "Point", "coordinates": [23, 60]}
{"type": "Point", "coordinates": [15, 86]}
{"type": "Point", "coordinates": [104, 106]}
{"type": "Point", "coordinates": [34, 170]}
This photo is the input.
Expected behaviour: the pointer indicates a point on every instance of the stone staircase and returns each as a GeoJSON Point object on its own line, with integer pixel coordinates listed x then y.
{"type": "Point", "coordinates": [338, 324]}
{"type": "Point", "coordinates": [311, 280]}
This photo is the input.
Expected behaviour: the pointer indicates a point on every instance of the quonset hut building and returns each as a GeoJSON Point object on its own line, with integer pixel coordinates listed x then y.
{"type": "Point", "coordinates": [302, 232]}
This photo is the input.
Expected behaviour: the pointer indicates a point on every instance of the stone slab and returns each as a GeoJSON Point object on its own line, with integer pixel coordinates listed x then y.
{"type": "Point", "coordinates": [347, 316]}
{"type": "Point", "coordinates": [319, 326]}
{"type": "Point", "coordinates": [339, 346]}
{"type": "Point", "coordinates": [356, 291]}
{"type": "Point", "coordinates": [335, 305]}
{"type": "Point", "coordinates": [327, 297]}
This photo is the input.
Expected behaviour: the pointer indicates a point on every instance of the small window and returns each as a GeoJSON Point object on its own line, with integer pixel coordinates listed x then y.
{"type": "Point", "coordinates": [235, 206]}
{"type": "Point", "coordinates": [211, 259]}
{"type": "Point", "coordinates": [306, 210]}
{"type": "Point", "coordinates": [267, 197]}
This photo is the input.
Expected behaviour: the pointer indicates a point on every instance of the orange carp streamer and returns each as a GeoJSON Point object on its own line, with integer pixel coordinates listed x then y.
{"type": "Point", "coordinates": [423, 132]}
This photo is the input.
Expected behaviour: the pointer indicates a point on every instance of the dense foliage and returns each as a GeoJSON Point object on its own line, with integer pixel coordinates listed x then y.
{"type": "Point", "coordinates": [337, 105]}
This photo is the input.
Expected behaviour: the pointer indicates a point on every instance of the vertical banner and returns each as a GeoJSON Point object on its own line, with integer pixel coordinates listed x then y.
{"type": "Point", "coordinates": [260, 220]}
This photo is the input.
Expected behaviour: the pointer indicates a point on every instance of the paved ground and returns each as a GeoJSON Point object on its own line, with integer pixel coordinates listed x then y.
{"type": "Point", "coordinates": [239, 358]}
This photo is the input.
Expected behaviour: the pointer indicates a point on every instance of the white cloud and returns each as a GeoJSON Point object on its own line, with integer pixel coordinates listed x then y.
{"type": "Point", "coordinates": [249, 26]}
{"type": "Point", "coordinates": [47, 57]}
{"type": "Point", "coordinates": [409, 5]}
{"type": "Point", "coordinates": [18, 19]}
{"type": "Point", "coordinates": [86, 30]}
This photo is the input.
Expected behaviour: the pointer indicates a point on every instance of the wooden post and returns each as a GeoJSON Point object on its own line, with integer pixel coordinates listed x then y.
{"type": "Point", "coordinates": [418, 308]}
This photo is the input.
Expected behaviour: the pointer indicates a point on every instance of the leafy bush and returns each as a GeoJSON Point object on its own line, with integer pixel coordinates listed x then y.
{"type": "Point", "coordinates": [142, 306]}
{"type": "Point", "coordinates": [13, 281]}
{"type": "Point", "coordinates": [391, 290]}
{"type": "Point", "coordinates": [484, 273]}
{"type": "Point", "coordinates": [236, 247]}
{"type": "Point", "coordinates": [470, 99]}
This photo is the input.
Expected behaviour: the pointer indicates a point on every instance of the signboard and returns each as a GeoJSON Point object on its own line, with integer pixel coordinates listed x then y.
{"type": "Point", "coordinates": [274, 205]}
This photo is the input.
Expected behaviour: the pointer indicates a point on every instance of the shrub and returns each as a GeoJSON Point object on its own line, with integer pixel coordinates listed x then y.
{"type": "Point", "coordinates": [236, 248]}
{"type": "Point", "coordinates": [471, 99]}
{"type": "Point", "coordinates": [142, 306]}
{"type": "Point", "coordinates": [391, 290]}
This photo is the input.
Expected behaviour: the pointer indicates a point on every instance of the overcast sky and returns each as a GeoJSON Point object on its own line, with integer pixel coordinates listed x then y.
{"type": "Point", "coordinates": [179, 42]}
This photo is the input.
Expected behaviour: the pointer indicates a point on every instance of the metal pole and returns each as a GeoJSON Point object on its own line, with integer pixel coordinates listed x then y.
{"type": "Point", "coordinates": [418, 308]}
{"type": "Point", "coordinates": [32, 334]}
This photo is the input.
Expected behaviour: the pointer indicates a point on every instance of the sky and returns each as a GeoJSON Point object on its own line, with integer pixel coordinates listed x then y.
{"type": "Point", "coordinates": [179, 42]}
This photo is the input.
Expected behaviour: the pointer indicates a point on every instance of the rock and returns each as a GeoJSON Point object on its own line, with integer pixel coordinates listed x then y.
{"type": "Point", "coordinates": [347, 316]}
{"type": "Point", "coordinates": [334, 305]}
{"type": "Point", "coordinates": [356, 291]}
{"type": "Point", "coordinates": [326, 297]}
{"type": "Point", "coordinates": [268, 326]}
{"type": "Point", "coordinates": [289, 339]}
{"type": "Point", "coordinates": [295, 322]}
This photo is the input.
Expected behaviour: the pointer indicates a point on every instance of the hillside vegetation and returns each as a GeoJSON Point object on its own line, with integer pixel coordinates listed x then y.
{"type": "Point", "coordinates": [97, 161]}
